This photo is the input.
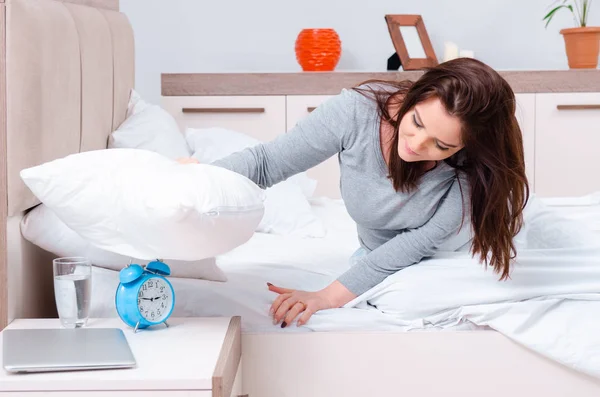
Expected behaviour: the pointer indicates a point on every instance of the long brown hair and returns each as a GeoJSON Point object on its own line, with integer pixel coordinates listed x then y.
{"type": "Point", "coordinates": [492, 158]}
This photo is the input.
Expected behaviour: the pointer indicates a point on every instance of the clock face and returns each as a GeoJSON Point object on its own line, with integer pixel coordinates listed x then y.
{"type": "Point", "coordinates": [154, 300]}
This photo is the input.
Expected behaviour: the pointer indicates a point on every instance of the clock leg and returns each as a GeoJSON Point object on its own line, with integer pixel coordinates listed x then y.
{"type": "Point", "coordinates": [136, 327]}
{"type": "Point", "coordinates": [167, 325]}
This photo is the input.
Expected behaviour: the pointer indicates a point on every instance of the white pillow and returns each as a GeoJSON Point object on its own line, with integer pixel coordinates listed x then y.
{"type": "Point", "coordinates": [43, 228]}
{"type": "Point", "coordinates": [287, 209]}
{"type": "Point", "coordinates": [136, 104]}
{"type": "Point", "coordinates": [211, 144]}
{"type": "Point", "coordinates": [143, 205]}
{"type": "Point", "coordinates": [149, 127]}
{"type": "Point", "coordinates": [545, 227]}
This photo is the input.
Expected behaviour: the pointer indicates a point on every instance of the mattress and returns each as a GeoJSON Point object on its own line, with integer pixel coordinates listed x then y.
{"type": "Point", "coordinates": [293, 262]}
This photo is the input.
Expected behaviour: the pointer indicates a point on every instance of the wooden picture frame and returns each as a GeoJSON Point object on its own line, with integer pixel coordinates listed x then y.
{"type": "Point", "coordinates": [407, 59]}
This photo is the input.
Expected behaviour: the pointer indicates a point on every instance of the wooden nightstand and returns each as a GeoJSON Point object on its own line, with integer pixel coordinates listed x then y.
{"type": "Point", "coordinates": [193, 357]}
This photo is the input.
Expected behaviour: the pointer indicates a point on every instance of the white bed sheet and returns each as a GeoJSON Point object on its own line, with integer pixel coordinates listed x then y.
{"type": "Point", "coordinates": [303, 263]}
{"type": "Point", "coordinates": [292, 262]}
{"type": "Point", "coordinates": [550, 304]}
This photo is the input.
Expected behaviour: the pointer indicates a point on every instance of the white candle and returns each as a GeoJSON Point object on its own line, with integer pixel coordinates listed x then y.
{"type": "Point", "coordinates": [450, 51]}
{"type": "Point", "coordinates": [467, 54]}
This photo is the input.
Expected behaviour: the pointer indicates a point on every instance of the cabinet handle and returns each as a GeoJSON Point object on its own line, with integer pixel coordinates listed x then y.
{"type": "Point", "coordinates": [310, 109]}
{"type": "Point", "coordinates": [578, 107]}
{"type": "Point", "coordinates": [223, 110]}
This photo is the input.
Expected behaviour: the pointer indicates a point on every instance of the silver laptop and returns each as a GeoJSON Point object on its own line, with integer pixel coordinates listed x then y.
{"type": "Point", "coordinates": [43, 350]}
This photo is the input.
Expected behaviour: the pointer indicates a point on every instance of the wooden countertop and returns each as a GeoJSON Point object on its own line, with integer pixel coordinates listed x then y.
{"type": "Point", "coordinates": [331, 83]}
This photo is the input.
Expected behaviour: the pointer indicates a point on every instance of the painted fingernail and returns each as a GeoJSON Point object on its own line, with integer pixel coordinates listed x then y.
{"type": "Point", "coordinates": [269, 284]}
{"type": "Point", "coordinates": [283, 324]}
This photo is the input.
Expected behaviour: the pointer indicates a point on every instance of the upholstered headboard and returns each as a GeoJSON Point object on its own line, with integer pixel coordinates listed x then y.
{"type": "Point", "coordinates": [69, 72]}
{"type": "Point", "coordinates": [66, 72]}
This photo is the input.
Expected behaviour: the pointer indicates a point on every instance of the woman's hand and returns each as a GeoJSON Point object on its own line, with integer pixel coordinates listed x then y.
{"type": "Point", "coordinates": [188, 160]}
{"type": "Point", "coordinates": [291, 303]}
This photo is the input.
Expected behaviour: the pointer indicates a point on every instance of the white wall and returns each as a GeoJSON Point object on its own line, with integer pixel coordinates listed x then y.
{"type": "Point", "coordinates": [240, 35]}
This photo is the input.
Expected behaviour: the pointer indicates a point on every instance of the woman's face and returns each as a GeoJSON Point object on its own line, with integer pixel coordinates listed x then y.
{"type": "Point", "coordinates": [428, 133]}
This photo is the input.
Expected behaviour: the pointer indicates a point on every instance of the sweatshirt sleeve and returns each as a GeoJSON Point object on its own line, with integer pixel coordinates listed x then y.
{"type": "Point", "coordinates": [313, 140]}
{"type": "Point", "coordinates": [410, 246]}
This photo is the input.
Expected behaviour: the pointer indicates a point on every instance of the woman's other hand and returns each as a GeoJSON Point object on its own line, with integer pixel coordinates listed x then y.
{"type": "Point", "coordinates": [293, 303]}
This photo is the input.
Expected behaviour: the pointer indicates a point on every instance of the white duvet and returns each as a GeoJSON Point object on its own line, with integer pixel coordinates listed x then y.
{"type": "Point", "coordinates": [551, 304]}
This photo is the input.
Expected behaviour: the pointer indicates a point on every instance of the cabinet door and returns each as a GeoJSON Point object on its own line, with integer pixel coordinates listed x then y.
{"type": "Point", "coordinates": [525, 114]}
{"type": "Point", "coordinates": [567, 144]}
{"type": "Point", "coordinates": [327, 174]}
{"type": "Point", "coordinates": [262, 117]}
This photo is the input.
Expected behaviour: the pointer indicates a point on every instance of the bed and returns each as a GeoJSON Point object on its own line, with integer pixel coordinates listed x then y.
{"type": "Point", "coordinates": [295, 262]}
{"type": "Point", "coordinates": [363, 340]}
{"type": "Point", "coordinates": [69, 71]}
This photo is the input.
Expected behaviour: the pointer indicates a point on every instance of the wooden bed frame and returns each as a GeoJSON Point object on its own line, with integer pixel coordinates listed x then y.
{"type": "Point", "coordinates": [88, 100]}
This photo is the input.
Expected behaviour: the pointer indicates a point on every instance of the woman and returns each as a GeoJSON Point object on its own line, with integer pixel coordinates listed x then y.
{"type": "Point", "coordinates": [417, 160]}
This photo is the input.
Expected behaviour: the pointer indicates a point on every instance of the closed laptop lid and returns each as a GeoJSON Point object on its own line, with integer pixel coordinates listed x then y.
{"type": "Point", "coordinates": [38, 350]}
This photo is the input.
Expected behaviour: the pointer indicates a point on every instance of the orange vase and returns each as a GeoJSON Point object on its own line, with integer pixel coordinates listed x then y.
{"type": "Point", "coordinates": [318, 50]}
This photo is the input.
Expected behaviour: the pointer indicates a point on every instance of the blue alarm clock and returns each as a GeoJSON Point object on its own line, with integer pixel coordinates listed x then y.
{"type": "Point", "coordinates": [144, 296]}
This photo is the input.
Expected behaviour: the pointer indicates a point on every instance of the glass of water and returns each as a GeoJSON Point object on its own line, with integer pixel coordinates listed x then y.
{"type": "Point", "coordinates": [72, 290]}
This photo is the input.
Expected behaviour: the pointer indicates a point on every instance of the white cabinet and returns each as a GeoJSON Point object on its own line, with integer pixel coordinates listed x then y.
{"type": "Point", "coordinates": [561, 133]}
{"type": "Point", "coordinates": [327, 174]}
{"type": "Point", "coordinates": [567, 144]}
{"type": "Point", "coordinates": [525, 114]}
{"type": "Point", "coordinates": [262, 117]}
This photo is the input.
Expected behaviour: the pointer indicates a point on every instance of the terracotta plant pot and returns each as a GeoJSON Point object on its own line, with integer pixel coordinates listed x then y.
{"type": "Point", "coordinates": [582, 46]}
{"type": "Point", "coordinates": [318, 49]}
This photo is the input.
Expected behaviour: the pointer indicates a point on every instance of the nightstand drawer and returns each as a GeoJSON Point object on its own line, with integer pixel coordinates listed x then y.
{"type": "Point", "coordinates": [262, 117]}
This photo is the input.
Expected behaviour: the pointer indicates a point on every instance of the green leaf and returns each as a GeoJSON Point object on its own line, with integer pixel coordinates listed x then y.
{"type": "Point", "coordinates": [549, 15]}
{"type": "Point", "coordinates": [570, 7]}
{"type": "Point", "coordinates": [585, 13]}
{"type": "Point", "coordinates": [553, 11]}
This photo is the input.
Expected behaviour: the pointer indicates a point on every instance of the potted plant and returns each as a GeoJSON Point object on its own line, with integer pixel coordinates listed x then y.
{"type": "Point", "coordinates": [582, 43]}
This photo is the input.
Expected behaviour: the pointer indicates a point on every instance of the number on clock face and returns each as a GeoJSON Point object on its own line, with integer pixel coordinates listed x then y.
{"type": "Point", "coordinates": [154, 300]}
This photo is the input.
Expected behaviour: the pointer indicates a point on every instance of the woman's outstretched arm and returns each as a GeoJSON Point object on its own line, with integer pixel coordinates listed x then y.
{"type": "Point", "coordinates": [314, 139]}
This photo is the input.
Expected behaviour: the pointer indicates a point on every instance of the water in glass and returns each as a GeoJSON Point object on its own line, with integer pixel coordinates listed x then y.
{"type": "Point", "coordinates": [72, 290]}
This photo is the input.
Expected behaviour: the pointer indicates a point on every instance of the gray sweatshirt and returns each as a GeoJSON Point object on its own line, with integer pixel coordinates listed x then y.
{"type": "Point", "coordinates": [396, 229]}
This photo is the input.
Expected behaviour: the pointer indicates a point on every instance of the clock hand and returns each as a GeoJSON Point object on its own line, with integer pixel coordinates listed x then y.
{"type": "Point", "coordinates": [147, 299]}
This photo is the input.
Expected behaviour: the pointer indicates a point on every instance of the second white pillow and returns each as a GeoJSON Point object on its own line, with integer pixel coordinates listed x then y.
{"type": "Point", "coordinates": [149, 127]}
{"type": "Point", "coordinates": [43, 228]}
{"type": "Point", "coordinates": [287, 209]}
